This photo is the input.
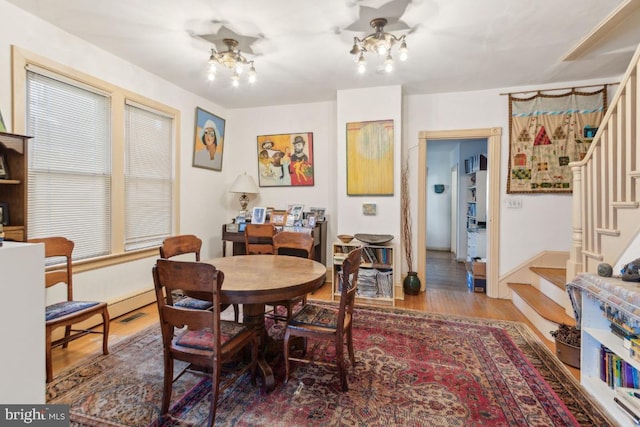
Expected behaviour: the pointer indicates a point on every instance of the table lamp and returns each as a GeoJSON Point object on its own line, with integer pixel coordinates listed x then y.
{"type": "Point", "coordinates": [246, 185]}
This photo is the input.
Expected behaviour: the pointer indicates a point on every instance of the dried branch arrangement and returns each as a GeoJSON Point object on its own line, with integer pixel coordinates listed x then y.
{"type": "Point", "coordinates": [406, 216]}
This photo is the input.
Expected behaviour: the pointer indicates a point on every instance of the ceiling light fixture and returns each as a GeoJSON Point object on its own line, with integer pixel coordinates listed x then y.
{"type": "Point", "coordinates": [380, 43]}
{"type": "Point", "coordinates": [233, 60]}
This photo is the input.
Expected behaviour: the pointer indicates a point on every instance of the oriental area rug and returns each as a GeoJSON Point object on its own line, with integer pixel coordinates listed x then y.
{"type": "Point", "coordinates": [412, 369]}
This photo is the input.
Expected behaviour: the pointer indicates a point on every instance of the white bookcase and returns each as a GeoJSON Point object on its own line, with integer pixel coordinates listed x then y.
{"type": "Point", "coordinates": [595, 333]}
{"type": "Point", "coordinates": [376, 279]}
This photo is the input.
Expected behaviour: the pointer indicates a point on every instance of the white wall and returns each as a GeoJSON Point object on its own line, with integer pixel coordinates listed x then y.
{"type": "Point", "coordinates": [202, 191]}
{"type": "Point", "coordinates": [241, 152]}
{"type": "Point", "coordinates": [439, 162]}
{"type": "Point", "coordinates": [358, 105]}
{"type": "Point", "coordinates": [543, 223]}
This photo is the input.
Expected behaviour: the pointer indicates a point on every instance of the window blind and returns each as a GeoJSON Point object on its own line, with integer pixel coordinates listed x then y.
{"type": "Point", "coordinates": [69, 177]}
{"type": "Point", "coordinates": [148, 176]}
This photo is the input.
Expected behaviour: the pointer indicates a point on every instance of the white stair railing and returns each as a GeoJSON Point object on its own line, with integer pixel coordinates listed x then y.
{"type": "Point", "coordinates": [605, 182]}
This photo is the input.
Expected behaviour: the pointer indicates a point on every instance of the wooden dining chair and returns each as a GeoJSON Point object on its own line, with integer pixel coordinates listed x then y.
{"type": "Point", "coordinates": [188, 244]}
{"type": "Point", "coordinates": [199, 337]}
{"type": "Point", "coordinates": [69, 312]}
{"type": "Point", "coordinates": [327, 323]}
{"type": "Point", "coordinates": [292, 244]}
{"type": "Point", "coordinates": [258, 239]}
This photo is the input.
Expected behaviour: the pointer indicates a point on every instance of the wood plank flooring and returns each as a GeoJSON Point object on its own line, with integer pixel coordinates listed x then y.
{"type": "Point", "coordinates": [446, 294]}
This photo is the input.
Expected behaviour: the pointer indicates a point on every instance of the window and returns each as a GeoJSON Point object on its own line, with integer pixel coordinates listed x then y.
{"type": "Point", "coordinates": [148, 177]}
{"type": "Point", "coordinates": [101, 163]}
{"type": "Point", "coordinates": [69, 192]}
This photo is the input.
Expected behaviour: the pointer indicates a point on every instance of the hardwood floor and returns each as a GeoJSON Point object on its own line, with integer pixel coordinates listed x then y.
{"type": "Point", "coordinates": [444, 271]}
{"type": "Point", "coordinates": [446, 294]}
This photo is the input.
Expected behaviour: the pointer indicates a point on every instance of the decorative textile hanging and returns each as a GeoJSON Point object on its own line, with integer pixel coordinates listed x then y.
{"type": "Point", "coordinates": [546, 133]}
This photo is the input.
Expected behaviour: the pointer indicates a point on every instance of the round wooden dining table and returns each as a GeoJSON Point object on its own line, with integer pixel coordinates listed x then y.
{"type": "Point", "coordinates": [256, 280]}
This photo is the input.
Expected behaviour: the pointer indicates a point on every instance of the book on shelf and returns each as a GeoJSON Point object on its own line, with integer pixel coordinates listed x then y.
{"type": "Point", "coordinates": [615, 371]}
{"type": "Point", "coordinates": [628, 399]}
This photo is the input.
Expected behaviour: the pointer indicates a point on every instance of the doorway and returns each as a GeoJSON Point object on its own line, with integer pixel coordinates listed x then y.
{"type": "Point", "coordinates": [493, 136]}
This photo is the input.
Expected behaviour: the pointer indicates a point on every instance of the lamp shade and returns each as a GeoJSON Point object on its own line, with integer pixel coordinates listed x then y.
{"type": "Point", "coordinates": [244, 184]}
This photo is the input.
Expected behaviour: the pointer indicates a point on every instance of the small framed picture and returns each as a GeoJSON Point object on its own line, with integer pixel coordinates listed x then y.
{"type": "Point", "coordinates": [258, 215]}
{"type": "Point", "coordinates": [319, 213]}
{"type": "Point", "coordinates": [277, 217]}
{"type": "Point", "coordinates": [295, 211]}
{"type": "Point", "coordinates": [4, 213]}
{"type": "Point", "coordinates": [311, 220]}
{"type": "Point", "coordinates": [4, 171]}
{"type": "Point", "coordinates": [241, 227]}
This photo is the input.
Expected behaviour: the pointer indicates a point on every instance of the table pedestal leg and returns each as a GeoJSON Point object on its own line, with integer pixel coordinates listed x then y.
{"type": "Point", "coordinates": [253, 315]}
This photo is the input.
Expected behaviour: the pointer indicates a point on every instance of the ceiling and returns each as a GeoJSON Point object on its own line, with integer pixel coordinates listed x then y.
{"type": "Point", "coordinates": [301, 47]}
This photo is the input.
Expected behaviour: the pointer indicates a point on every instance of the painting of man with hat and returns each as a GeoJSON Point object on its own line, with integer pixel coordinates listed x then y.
{"type": "Point", "coordinates": [285, 160]}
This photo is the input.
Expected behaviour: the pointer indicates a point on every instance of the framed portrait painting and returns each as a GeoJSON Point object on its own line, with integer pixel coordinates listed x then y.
{"type": "Point", "coordinates": [285, 160]}
{"type": "Point", "coordinates": [208, 145]}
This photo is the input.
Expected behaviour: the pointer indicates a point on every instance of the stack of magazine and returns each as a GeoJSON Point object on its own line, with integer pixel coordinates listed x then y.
{"type": "Point", "coordinates": [628, 399]}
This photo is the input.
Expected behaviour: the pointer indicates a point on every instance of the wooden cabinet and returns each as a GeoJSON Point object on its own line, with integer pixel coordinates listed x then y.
{"type": "Point", "coordinates": [13, 190]}
{"type": "Point", "coordinates": [376, 277]}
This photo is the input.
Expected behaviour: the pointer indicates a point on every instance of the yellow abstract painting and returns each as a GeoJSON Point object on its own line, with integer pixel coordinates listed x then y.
{"type": "Point", "coordinates": [370, 158]}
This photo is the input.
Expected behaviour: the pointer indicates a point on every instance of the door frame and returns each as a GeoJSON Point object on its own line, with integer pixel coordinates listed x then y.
{"type": "Point", "coordinates": [453, 245]}
{"type": "Point", "coordinates": [493, 136]}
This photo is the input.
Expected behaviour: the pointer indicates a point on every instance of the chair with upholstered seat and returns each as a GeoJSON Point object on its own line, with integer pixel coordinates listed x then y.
{"type": "Point", "coordinates": [199, 337]}
{"type": "Point", "coordinates": [292, 244]}
{"type": "Point", "coordinates": [188, 244]}
{"type": "Point", "coordinates": [69, 312]}
{"type": "Point", "coordinates": [326, 323]}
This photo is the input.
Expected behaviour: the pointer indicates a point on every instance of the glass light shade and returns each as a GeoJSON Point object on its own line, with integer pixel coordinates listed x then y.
{"type": "Point", "coordinates": [388, 64]}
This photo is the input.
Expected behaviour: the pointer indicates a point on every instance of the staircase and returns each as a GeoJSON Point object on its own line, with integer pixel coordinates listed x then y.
{"type": "Point", "coordinates": [606, 208]}
{"type": "Point", "coordinates": [544, 301]}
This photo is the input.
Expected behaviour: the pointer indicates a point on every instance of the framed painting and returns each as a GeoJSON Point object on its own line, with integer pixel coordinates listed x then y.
{"type": "Point", "coordinates": [370, 158]}
{"type": "Point", "coordinates": [285, 160]}
{"type": "Point", "coordinates": [208, 145]}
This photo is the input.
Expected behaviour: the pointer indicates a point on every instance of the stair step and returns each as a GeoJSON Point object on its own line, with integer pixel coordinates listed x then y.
{"type": "Point", "coordinates": [557, 276]}
{"type": "Point", "coordinates": [542, 304]}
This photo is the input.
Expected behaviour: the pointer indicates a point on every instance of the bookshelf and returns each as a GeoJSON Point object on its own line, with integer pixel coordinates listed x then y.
{"type": "Point", "coordinates": [476, 169]}
{"type": "Point", "coordinates": [376, 284]}
{"type": "Point", "coordinates": [600, 345]}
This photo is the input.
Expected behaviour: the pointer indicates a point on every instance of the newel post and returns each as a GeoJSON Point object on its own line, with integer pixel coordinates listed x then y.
{"type": "Point", "coordinates": [574, 264]}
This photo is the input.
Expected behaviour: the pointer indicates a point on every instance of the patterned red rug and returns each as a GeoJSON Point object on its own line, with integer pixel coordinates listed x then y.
{"type": "Point", "coordinates": [412, 369]}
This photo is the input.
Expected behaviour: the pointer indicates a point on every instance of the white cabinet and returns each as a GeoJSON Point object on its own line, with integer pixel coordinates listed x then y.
{"type": "Point", "coordinates": [22, 364]}
{"type": "Point", "coordinates": [376, 284]}
{"type": "Point", "coordinates": [476, 243]}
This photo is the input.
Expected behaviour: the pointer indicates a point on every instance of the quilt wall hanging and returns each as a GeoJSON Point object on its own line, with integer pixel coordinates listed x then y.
{"type": "Point", "coordinates": [546, 133]}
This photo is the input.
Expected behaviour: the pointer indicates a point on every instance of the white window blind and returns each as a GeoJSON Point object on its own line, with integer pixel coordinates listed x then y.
{"type": "Point", "coordinates": [148, 177]}
{"type": "Point", "coordinates": [69, 187]}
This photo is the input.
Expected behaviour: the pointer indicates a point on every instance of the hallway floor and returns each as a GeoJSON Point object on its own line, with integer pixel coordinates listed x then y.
{"type": "Point", "coordinates": [445, 272]}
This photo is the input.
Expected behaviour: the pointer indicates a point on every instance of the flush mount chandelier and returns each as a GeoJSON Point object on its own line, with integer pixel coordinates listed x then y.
{"type": "Point", "coordinates": [380, 43]}
{"type": "Point", "coordinates": [233, 60]}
